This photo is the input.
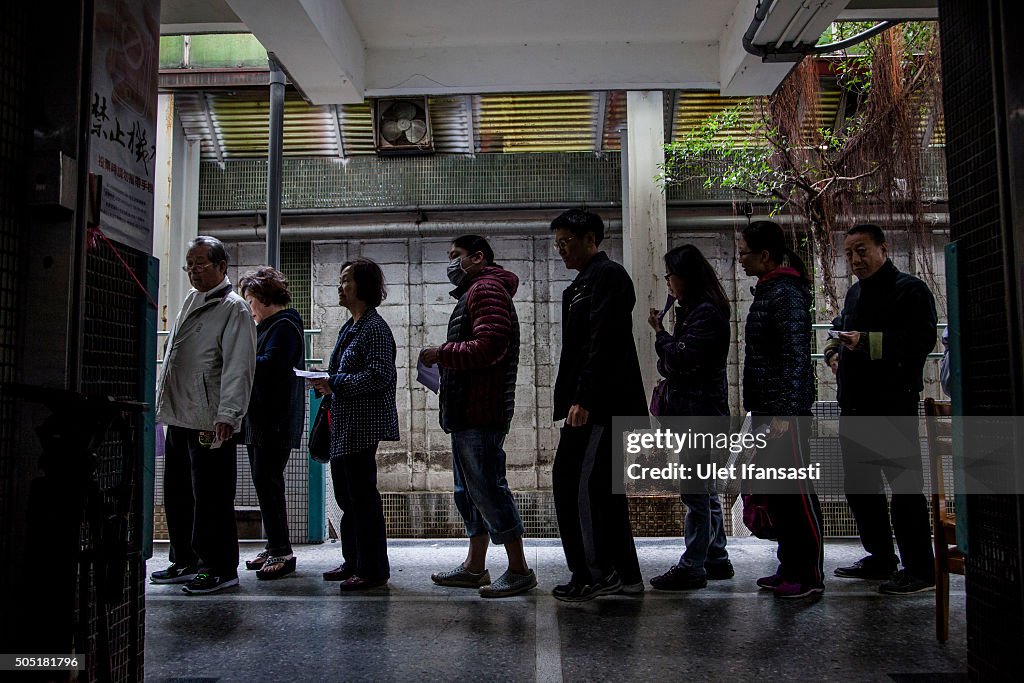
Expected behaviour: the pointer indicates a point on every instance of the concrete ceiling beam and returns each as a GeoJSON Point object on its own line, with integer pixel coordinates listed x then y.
{"type": "Point", "coordinates": [790, 23]}
{"type": "Point", "coordinates": [542, 67]}
{"type": "Point", "coordinates": [317, 43]}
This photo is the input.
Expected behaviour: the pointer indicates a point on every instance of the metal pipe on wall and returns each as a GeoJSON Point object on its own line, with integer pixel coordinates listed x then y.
{"type": "Point", "coordinates": [410, 208]}
{"type": "Point", "coordinates": [407, 208]}
{"type": "Point", "coordinates": [274, 151]}
{"type": "Point", "coordinates": [407, 229]}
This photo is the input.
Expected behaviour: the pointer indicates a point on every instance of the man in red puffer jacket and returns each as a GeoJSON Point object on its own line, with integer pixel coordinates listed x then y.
{"type": "Point", "coordinates": [479, 362]}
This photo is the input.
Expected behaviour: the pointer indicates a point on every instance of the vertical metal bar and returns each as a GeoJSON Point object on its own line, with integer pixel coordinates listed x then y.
{"type": "Point", "coordinates": [467, 105]}
{"type": "Point", "coordinates": [274, 147]}
{"type": "Point", "coordinates": [145, 476]}
{"type": "Point", "coordinates": [602, 110]}
{"type": "Point", "coordinates": [335, 110]}
{"type": "Point", "coordinates": [956, 390]}
{"type": "Point", "coordinates": [473, 102]}
{"type": "Point", "coordinates": [214, 140]}
{"type": "Point", "coordinates": [317, 486]}
{"type": "Point", "coordinates": [670, 123]}
{"type": "Point", "coordinates": [76, 327]}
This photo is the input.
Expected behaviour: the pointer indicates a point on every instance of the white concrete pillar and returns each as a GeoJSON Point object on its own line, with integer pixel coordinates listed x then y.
{"type": "Point", "coordinates": [644, 219]}
{"type": "Point", "coordinates": [175, 206]}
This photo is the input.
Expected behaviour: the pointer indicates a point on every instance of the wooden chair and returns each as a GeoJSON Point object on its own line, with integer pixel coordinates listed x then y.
{"type": "Point", "coordinates": [948, 558]}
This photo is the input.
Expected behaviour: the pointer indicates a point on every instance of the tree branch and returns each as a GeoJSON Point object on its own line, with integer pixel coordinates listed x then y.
{"type": "Point", "coordinates": [843, 179]}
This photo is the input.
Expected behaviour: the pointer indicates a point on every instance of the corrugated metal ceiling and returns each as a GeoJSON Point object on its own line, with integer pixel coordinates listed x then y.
{"type": "Point", "coordinates": [234, 125]}
{"type": "Point", "coordinates": [545, 122]}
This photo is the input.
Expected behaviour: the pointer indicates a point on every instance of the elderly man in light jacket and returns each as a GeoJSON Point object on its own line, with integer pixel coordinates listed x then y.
{"type": "Point", "coordinates": [202, 397]}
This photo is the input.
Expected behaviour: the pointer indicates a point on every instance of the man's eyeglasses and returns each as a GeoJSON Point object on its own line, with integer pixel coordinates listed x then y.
{"type": "Point", "coordinates": [560, 245]}
{"type": "Point", "coordinates": [746, 253]}
{"type": "Point", "coordinates": [198, 268]}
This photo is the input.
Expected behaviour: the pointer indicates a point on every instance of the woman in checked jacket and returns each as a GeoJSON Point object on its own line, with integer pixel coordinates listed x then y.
{"type": "Point", "coordinates": [361, 388]}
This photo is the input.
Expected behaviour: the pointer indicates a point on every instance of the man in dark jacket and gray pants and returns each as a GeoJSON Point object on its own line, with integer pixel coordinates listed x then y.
{"type": "Point", "coordinates": [598, 378]}
{"type": "Point", "coordinates": [479, 362]}
{"type": "Point", "coordinates": [882, 338]}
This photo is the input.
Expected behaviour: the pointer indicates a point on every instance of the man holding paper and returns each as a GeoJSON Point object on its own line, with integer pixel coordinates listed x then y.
{"type": "Point", "coordinates": [882, 339]}
{"type": "Point", "coordinates": [479, 363]}
{"type": "Point", "coordinates": [204, 391]}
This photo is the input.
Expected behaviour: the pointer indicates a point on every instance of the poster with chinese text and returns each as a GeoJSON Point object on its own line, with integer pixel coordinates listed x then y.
{"type": "Point", "coordinates": [122, 114]}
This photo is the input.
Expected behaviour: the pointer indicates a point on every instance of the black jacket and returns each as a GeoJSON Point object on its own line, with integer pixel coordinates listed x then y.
{"type": "Point", "coordinates": [777, 374]}
{"type": "Point", "coordinates": [692, 360]}
{"type": "Point", "coordinates": [599, 368]}
{"type": "Point", "coordinates": [897, 312]}
{"type": "Point", "coordinates": [277, 408]}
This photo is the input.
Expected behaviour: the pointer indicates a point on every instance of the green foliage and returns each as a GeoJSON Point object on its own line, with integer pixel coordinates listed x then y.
{"type": "Point", "coordinates": [726, 150]}
{"type": "Point", "coordinates": [743, 148]}
{"type": "Point", "coordinates": [770, 148]}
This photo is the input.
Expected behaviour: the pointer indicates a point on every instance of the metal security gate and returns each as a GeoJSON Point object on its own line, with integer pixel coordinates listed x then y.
{"type": "Point", "coordinates": [982, 90]}
{"type": "Point", "coordinates": [118, 346]}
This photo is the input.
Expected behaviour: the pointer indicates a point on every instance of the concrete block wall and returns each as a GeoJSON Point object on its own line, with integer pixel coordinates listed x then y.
{"type": "Point", "coordinates": [418, 306]}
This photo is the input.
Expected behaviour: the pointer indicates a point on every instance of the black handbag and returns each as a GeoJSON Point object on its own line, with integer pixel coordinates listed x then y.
{"type": "Point", "coordinates": [320, 433]}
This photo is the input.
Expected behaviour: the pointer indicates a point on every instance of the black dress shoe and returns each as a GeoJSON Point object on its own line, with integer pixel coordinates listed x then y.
{"type": "Point", "coordinates": [339, 573]}
{"type": "Point", "coordinates": [865, 569]}
{"type": "Point", "coordinates": [358, 583]}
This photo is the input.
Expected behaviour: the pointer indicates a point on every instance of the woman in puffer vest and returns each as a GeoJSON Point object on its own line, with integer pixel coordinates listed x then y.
{"type": "Point", "coordinates": [778, 390]}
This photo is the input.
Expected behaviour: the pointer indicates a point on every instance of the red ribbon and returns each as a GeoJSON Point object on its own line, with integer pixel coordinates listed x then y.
{"type": "Point", "coordinates": [94, 235]}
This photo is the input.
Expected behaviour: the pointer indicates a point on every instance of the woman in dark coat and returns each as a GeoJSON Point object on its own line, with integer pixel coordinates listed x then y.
{"type": "Point", "coordinates": [778, 389]}
{"type": "Point", "coordinates": [692, 360]}
{"type": "Point", "coordinates": [361, 387]}
{"type": "Point", "coordinates": [273, 424]}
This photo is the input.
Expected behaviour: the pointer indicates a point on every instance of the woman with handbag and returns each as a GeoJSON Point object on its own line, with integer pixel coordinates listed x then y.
{"type": "Point", "coordinates": [778, 390]}
{"type": "Point", "coordinates": [361, 388]}
{"type": "Point", "coordinates": [273, 424]}
{"type": "Point", "coordinates": [692, 360]}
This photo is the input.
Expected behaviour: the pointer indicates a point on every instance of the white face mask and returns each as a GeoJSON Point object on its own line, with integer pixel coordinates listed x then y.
{"type": "Point", "coordinates": [456, 275]}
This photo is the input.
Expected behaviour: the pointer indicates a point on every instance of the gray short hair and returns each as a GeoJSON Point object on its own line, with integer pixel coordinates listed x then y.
{"type": "Point", "coordinates": [217, 251]}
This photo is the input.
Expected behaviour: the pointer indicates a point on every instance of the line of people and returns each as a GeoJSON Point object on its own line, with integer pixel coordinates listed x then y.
{"type": "Point", "coordinates": [216, 359]}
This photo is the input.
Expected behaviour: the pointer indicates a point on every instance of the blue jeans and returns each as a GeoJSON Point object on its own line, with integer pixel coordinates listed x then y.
{"type": "Point", "coordinates": [481, 492]}
{"type": "Point", "coordinates": [703, 530]}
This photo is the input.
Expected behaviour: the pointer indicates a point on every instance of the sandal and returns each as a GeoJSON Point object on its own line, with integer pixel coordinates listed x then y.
{"type": "Point", "coordinates": [260, 560]}
{"type": "Point", "coordinates": [276, 567]}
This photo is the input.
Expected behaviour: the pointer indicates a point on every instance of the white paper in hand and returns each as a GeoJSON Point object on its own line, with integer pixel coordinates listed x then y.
{"type": "Point", "coordinates": [310, 374]}
{"type": "Point", "coordinates": [428, 376]}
